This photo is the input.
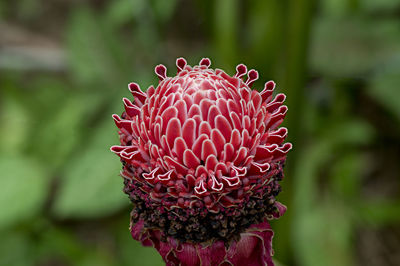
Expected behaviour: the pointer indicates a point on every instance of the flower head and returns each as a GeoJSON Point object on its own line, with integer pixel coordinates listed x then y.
{"type": "Point", "coordinates": [202, 156]}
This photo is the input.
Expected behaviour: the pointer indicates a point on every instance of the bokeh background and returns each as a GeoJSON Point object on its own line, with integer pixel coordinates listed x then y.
{"type": "Point", "coordinates": [65, 65]}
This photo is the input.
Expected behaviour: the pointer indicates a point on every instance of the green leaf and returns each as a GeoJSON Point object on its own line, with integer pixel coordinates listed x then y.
{"type": "Point", "coordinates": [122, 11]}
{"type": "Point", "coordinates": [96, 56]}
{"type": "Point", "coordinates": [15, 122]}
{"type": "Point", "coordinates": [59, 134]}
{"type": "Point", "coordinates": [323, 236]}
{"type": "Point", "coordinates": [23, 189]}
{"type": "Point", "coordinates": [91, 186]}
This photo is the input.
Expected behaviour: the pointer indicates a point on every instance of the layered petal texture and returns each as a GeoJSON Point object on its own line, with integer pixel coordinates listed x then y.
{"type": "Point", "coordinates": [202, 158]}
{"type": "Point", "coordinates": [253, 249]}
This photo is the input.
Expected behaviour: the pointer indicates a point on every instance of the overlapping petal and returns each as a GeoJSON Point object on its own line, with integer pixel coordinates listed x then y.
{"type": "Point", "coordinates": [253, 249]}
{"type": "Point", "coordinates": [202, 158]}
{"type": "Point", "coordinates": [197, 119]}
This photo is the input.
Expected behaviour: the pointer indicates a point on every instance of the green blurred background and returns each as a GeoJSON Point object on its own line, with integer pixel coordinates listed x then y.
{"type": "Point", "coordinates": [65, 65]}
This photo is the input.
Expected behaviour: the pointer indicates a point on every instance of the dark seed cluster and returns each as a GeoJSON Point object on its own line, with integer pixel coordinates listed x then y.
{"type": "Point", "coordinates": [198, 225]}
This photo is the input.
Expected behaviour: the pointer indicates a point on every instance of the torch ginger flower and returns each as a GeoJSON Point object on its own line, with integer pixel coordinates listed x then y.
{"type": "Point", "coordinates": [202, 155]}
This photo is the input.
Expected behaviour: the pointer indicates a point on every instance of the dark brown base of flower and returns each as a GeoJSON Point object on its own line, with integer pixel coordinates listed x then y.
{"type": "Point", "coordinates": [197, 225]}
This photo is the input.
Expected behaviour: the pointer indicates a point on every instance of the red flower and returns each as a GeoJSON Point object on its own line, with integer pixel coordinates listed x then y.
{"type": "Point", "coordinates": [202, 156]}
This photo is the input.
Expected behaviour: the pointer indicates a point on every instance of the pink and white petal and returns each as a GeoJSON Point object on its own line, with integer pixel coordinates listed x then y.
{"type": "Point", "coordinates": [254, 247]}
{"type": "Point", "coordinates": [189, 132]}
{"type": "Point", "coordinates": [218, 139]}
{"type": "Point", "coordinates": [173, 164]}
{"type": "Point", "coordinates": [190, 159]}
{"type": "Point", "coordinates": [139, 96]}
{"type": "Point", "coordinates": [212, 113]}
{"type": "Point", "coordinates": [205, 128]}
{"type": "Point", "coordinates": [208, 149]}
{"type": "Point", "coordinates": [222, 124]}
{"type": "Point", "coordinates": [198, 145]}
{"type": "Point", "coordinates": [167, 115]}
{"type": "Point", "coordinates": [180, 105]}
{"type": "Point", "coordinates": [211, 162]}
{"type": "Point", "coordinates": [179, 148]}
{"type": "Point", "coordinates": [229, 152]}
{"type": "Point", "coordinates": [266, 93]}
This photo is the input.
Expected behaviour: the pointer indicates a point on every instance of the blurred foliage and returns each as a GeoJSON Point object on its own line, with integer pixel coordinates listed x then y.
{"type": "Point", "coordinates": [24, 189]}
{"type": "Point", "coordinates": [74, 198]}
{"type": "Point", "coordinates": [338, 61]}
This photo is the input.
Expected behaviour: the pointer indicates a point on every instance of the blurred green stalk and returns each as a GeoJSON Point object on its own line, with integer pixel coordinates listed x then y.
{"type": "Point", "coordinates": [300, 14]}
{"type": "Point", "coordinates": [226, 31]}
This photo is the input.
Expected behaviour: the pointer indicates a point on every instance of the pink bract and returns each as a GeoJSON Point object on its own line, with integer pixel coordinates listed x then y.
{"type": "Point", "coordinates": [202, 157]}
{"type": "Point", "coordinates": [253, 249]}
